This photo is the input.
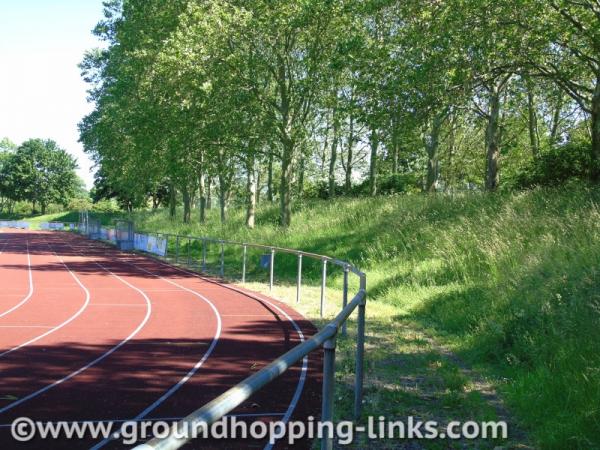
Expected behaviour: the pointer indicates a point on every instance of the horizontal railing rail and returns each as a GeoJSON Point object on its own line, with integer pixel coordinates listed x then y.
{"type": "Point", "coordinates": [232, 398]}
{"type": "Point", "coordinates": [326, 338]}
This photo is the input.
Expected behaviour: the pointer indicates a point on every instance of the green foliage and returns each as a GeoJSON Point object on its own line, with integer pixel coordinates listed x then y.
{"type": "Point", "coordinates": [40, 172]}
{"type": "Point", "coordinates": [392, 184]}
{"type": "Point", "coordinates": [105, 206]}
{"type": "Point", "coordinates": [557, 165]}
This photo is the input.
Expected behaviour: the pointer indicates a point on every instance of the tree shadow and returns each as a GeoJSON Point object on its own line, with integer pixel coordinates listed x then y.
{"type": "Point", "coordinates": [140, 372]}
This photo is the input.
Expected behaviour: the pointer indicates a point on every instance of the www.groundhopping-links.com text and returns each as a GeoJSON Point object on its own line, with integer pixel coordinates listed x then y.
{"type": "Point", "coordinates": [25, 429]}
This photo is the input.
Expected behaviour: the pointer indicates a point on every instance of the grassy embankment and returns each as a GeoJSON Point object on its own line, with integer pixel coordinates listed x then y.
{"type": "Point", "coordinates": [506, 285]}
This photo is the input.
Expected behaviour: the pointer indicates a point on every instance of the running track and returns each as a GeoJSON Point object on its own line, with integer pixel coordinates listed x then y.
{"type": "Point", "coordinates": [91, 333]}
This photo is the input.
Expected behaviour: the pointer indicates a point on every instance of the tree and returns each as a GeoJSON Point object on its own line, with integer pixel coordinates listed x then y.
{"type": "Point", "coordinates": [562, 40]}
{"type": "Point", "coordinates": [42, 173]}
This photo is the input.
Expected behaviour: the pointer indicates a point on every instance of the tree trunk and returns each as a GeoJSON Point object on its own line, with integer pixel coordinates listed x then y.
{"type": "Point", "coordinates": [172, 201]}
{"type": "Point", "coordinates": [250, 191]}
{"type": "Point", "coordinates": [43, 205]}
{"type": "Point", "coordinates": [258, 187]}
{"type": "Point", "coordinates": [202, 195]}
{"type": "Point", "coordinates": [450, 178]}
{"type": "Point", "coordinates": [324, 147]}
{"type": "Point", "coordinates": [301, 170]}
{"type": "Point", "coordinates": [349, 158]}
{"type": "Point", "coordinates": [374, 138]}
{"type": "Point", "coordinates": [395, 143]}
{"type": "Point", "coordinates": [285, 201]}
{"type": "Point", "coordinates": [186, 204]}
{"type": "Point", "coordinates": [333, 158]}
{"type": "Point", "coordinates": [209, 193]}
{"type": "Point", "coordinates": [395, 156]}
{"type": "Point", "coordinates": [432, 144]}
{"type": "Point", "coordinates": [270, 178]}
{"type": "Point", "coordinates": [492, 141]}
{"type": "Point", "coordinates": [595, 150]}
{"type": "Point", "coordinates": [534, 140]}
{"type": "Point", "coordinates": [223, 191]}
{"type": "Point", "coordinates": [556, 120]}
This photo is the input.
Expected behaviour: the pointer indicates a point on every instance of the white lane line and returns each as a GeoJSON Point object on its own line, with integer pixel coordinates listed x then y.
{"type": "Point", "coordinates": [302, 378]}
{"type": "Point", "coordinates": [196, 366]}
{"type": "Point", "coordinates": [303, 373]}
{"type": "Point", "coordinates": [304, 370]}
{"type": "Point", "coordinates": [83, 307]}
{"type": "Point", "coordinates": [95, 361]}
{"type": "Point", "coordinates": [30, 293]}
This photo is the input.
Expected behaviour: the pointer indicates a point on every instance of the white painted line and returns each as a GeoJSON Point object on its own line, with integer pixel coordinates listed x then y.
{"type": "Point", "coordinates": [30, 293]}
{"type": "Point", "coordinates": [302, 378]}
{"type": "Point", "coordinates": [95, 361]}
{"type": "Point", "coordinates": [193, 370]}
{"type": "Point", "coordinates": [85, 304]}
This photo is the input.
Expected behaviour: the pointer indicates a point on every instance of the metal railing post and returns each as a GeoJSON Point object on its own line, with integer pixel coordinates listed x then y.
{"type": "Point", "coordinates": [328, 389]}
{"type": "Point", "coordinates": [166, 247]}
{"type": "Point", "coordinates": [323, 285]}
{"type": "Point", "coordinates": [244, 265]}
{"type": "Point", "coordinates": [177, 250]}
{"type": "Point", "coordinates": [222, 259]}
{"type": "Point", "coordinates": [360, 353]}
{"type": "Point", "coordinates": [345, 298]}
{"type": "Point", "coordinates": [299, 278]}
{"type": "Point", "coordinates": [271, 269]}
{"type": "Point", "coordinates": [204, 255]}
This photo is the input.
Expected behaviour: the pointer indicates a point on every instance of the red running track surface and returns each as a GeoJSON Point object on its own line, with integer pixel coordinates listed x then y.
{"type": "Point", "coordinates": [88, 333]}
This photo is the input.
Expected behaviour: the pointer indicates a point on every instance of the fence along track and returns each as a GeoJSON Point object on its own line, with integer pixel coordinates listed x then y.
{"type": "Point", "coordinates": [326, 337]}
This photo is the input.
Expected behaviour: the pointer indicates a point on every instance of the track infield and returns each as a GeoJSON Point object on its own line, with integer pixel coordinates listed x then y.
{"type": "Point", "coordinates": [89, 333]}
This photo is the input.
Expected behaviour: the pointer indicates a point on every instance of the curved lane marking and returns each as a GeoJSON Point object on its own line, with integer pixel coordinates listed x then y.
{"type": "Point", "coordinates": [30, 293]}
{"type": "Point", "coordinates": [303, 373]}
{"type": "Point", "coordinates": [66, 322]}
{"type": "Point", "coordinates": [304, 370]}
{"type": "Point", "coordinates": [95, 361]}
{"type": "Point", "coordinates": [192, 371]}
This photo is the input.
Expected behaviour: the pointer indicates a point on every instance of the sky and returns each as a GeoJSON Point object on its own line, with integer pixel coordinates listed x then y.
{"type": "Point", "coordinates": [42, 94]}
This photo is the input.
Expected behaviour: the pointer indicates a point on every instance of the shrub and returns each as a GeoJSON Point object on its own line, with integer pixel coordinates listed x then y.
{"type": "Point", "coordinates": [106, 206]}
{"type": "Point", "coordinates": [556, 165]}
{"type": "Point", "coordinates": [390, 184]}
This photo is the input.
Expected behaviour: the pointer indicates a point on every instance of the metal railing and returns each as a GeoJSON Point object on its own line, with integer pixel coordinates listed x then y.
{"type": "Point", "coordinates": [326, 337]}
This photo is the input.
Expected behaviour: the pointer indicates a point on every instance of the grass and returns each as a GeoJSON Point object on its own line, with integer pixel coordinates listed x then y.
{"type": "Point", "coordinates": [468, 295]}
{"type": "Point", "coordinates": [37, 219]}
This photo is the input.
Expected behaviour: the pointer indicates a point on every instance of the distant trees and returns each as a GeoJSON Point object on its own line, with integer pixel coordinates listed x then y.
{"type": "Point", "coordinates": [240, 100]}
{"type": "Point", "coordinates": [39, 172]}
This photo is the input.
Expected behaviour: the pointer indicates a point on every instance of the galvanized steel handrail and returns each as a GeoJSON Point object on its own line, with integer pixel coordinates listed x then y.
{"type": "Point", "coordinates": [326, 338]}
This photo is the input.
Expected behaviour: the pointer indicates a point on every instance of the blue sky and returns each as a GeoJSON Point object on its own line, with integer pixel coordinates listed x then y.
{"type": "Point", "coordinates": [41, 91]}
